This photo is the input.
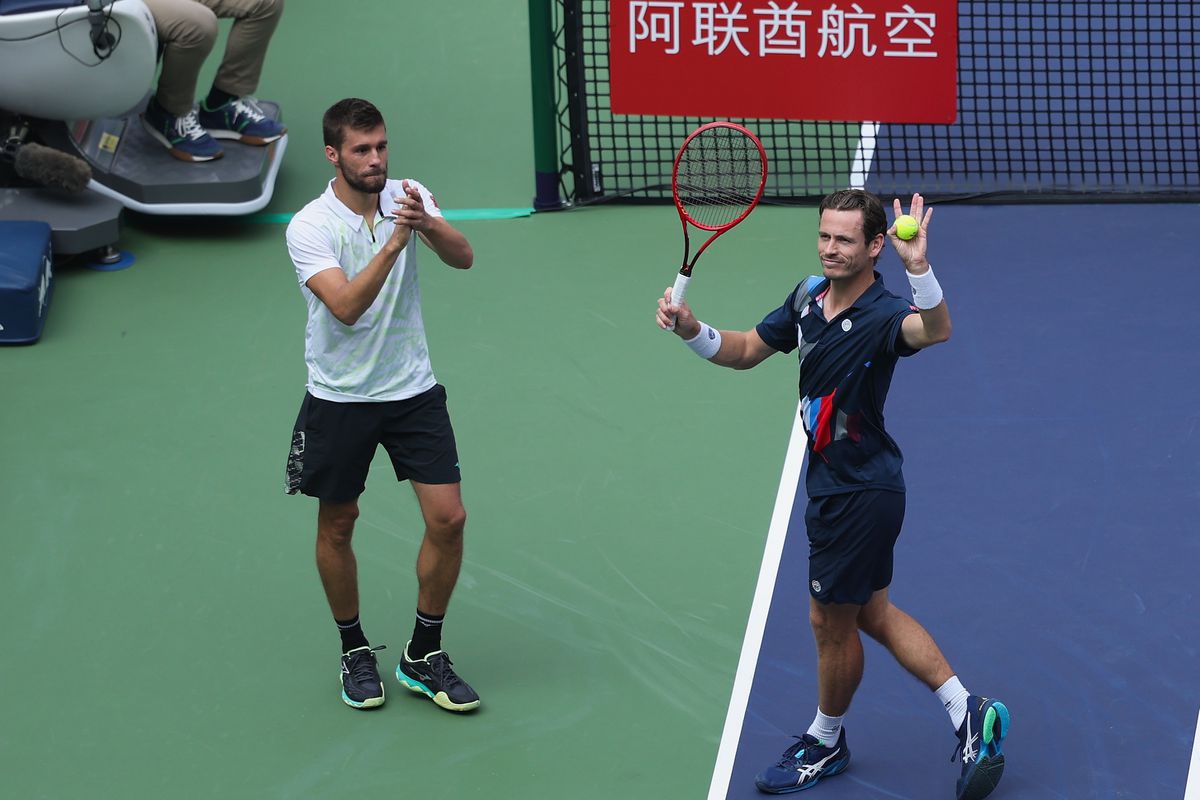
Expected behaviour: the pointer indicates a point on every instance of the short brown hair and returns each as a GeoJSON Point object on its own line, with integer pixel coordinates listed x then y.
{"type": "Point", "coordinates": [873, 217]}
{"type": "Point", "coordinates": [353, 112]}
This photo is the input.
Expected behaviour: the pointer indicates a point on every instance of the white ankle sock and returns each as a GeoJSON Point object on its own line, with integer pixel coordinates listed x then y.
{"type": "Point", "coordinates": [954, 698]}
{"type": "Point", "coordinates": [826, 729]}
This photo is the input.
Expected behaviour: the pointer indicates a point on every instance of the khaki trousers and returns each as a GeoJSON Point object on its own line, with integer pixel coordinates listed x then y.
{"type": "Point", "coordinates": [187, 31]}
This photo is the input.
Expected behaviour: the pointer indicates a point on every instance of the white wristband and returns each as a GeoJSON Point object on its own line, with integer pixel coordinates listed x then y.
{"type": "Point", "coordinates": [706, 343]}
{"type": "Point", "coordinates": [927, 292]}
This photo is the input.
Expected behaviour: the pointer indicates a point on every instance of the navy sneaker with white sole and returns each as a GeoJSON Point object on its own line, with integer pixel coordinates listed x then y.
{"type": "Point", "coordinates": [184, 137]}
{"type": "Point", "coordinates": [241, 119]}
{"type": "Point", "coordinates": [803, 764]}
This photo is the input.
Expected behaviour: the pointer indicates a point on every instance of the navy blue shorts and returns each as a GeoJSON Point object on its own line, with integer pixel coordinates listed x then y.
{"type": "Point", "coordinates": [850, 541]}
{"type": "Point", "coordinates": [333, 444]}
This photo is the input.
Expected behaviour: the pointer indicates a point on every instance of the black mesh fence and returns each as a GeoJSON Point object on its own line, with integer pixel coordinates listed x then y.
{"type": "Point", "coordinates": [1070, 101]}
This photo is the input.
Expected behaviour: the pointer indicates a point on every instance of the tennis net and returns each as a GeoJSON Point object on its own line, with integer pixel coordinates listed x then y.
{"type": "Point", "coordinates": [1057, 101]}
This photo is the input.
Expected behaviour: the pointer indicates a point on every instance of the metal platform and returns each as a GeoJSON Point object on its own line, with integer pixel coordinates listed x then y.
{"type": "Point", "coordinates": [131, 167]}
{"type": "Point", "coordinates": [80, 222]}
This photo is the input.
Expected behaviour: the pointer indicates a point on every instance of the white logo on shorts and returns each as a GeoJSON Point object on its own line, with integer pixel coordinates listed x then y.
{"type": "Point", "coordinates": [816, 586]}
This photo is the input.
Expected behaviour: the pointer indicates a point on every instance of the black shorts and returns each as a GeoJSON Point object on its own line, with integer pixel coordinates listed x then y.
{"type": "Point", "coordinates": [850, 541]}
{"type": "Point", "coordinates": [333, 444]}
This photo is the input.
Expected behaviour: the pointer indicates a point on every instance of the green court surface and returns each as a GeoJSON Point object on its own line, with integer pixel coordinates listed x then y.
{"type": "Point", "coordinates": [167, 635]}
{"type": "Point", "coordinates": [452, 80]}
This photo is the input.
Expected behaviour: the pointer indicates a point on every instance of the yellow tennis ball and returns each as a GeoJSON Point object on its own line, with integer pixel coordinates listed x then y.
{"type": "Point", "coordinates": [907, 226]}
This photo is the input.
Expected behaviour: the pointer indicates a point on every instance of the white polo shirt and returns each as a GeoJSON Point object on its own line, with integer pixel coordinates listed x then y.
{"type": "Point", "coordinates": [383, 356]}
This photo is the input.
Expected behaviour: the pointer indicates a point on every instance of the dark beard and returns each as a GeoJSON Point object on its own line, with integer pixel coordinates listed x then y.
{"type": "Point", "coordinates": [372, 184]}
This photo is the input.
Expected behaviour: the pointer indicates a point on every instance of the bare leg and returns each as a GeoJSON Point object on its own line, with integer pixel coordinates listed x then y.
{"type": "Point", "coordinates": [441, 553]}
{"type": "Point", "coordinates": [905, 639]}
{"type": "Point", "coordinates": [335, 557]}
{"type": "Point", "coordinates": [839, 654]}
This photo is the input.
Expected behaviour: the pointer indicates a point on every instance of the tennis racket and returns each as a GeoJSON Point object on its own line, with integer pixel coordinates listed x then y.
{"type": "Point", "coordinates": [718, 179]}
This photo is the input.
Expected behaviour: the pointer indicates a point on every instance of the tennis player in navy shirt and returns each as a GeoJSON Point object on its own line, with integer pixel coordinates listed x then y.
{"type": "Point", "coordinates": [850, 332]}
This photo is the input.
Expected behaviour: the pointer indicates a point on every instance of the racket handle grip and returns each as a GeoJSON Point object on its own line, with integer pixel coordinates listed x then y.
{"type": "Point", "coordinates": [677, 293]}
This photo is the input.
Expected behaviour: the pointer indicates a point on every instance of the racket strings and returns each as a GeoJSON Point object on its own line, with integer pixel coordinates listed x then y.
{"type": "Point", "coordinates": [719, 176]}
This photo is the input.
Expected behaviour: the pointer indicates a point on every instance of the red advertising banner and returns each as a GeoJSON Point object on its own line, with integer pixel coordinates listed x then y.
{"type": "Point", "coordinates": [868, 60]}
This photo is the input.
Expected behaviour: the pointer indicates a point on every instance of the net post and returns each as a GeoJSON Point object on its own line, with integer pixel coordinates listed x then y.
{"type": "Point", "coordinates": [545, 139]}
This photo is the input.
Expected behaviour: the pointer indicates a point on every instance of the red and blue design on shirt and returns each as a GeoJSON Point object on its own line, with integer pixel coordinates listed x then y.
{"type": "Point", "coordinates": [846, 365]}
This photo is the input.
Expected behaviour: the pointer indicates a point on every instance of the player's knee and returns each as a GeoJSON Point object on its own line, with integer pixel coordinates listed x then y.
{"type": "Point", "coordinates": [821, 628]}
{"type": "Point", "coordinates": [335, 524]}
{"type": "Point", "coordinates": [447, 525]}
{"type": "Point", "coordinates": [829, 626]}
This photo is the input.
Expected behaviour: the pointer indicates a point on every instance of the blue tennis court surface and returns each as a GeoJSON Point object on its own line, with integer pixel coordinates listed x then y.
{"type": "Point", "coordinates": [1053, 467]}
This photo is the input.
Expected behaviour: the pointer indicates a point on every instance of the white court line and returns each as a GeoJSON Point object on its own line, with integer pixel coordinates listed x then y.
{"type": "Point", "coordinates": [1192, 792]}
{"type": "Point", "coordinates": [785, 496]}
{"type": "Point", "coordinates": [863, 155]}
{"type": "Point", "coordinates": [718, 789]}
{"type": "Point", "coordinates": [757, 623]}
{"type": "Point", "coordinates": [768, 572]}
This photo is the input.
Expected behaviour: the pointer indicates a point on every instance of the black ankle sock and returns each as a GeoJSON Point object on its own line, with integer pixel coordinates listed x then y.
{"type": "Point", "coordinates": [427, 635]}
{"type": "Point", "coordinates": [352, 634]}
{"type": "Point", "coordinates": [156, 107]}
{"type": "Point", "coordinates": [217, 98]}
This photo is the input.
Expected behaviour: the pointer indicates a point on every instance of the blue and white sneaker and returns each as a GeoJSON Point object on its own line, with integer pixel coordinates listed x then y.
{"type": "Point", "coordinates": [243, 120]}
{"type": "Point", "coordinates": [183, 136]}
{"type": "Point", "coordinates": [803, 764]}
{"type": "Point", "coordinates": [980, 747]}
{"type": "Point", "coordinates": [361, 686]}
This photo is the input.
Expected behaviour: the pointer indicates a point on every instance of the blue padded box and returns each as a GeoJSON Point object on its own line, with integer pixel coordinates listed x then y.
{"type": "Point", "coordinates": [26, 280]}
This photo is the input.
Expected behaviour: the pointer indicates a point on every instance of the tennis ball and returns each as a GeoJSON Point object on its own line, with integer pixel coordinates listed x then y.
{"type": "Point", "coordinates": [906, 226]}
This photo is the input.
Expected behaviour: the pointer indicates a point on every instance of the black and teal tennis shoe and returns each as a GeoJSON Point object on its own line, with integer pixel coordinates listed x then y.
{"type": "Point", "coordinates": [803, 764]}
{"type": "Point", "coordinates": [434, 677]}
{"type": "Point", "coordinates": [980, 747]}
{"type": "Point", "coordinates": [361, 686]}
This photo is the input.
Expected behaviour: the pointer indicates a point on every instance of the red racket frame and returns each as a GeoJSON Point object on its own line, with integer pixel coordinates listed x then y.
{"type": "Point", "coordinates": [685, 218]}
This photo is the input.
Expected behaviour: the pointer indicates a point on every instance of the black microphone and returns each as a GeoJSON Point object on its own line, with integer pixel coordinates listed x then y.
{"type": "Point", "coordinates": [54, 168]}
{"type": "Point", "coordinates": [102, 40]}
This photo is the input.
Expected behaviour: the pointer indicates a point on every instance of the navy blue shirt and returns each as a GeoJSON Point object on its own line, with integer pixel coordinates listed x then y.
{"type": "Point", "coordinates": [846, 366]}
